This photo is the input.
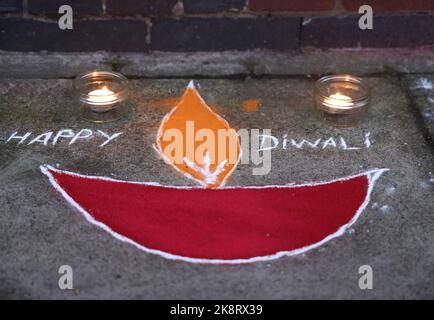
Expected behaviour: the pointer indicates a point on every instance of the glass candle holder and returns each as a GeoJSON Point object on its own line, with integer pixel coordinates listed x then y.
{"type": "Point", "coordinates": [344, 99]}
{"type": "Point", "coordinates": [102, 95]}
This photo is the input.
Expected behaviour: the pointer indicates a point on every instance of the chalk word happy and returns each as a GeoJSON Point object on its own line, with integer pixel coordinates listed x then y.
{"type": "Point", "coordinates": [64, 135]}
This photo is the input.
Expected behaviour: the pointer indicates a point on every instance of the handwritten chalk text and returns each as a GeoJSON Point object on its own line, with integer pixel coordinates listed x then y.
{"type": "Point", "coordinates": [270, 142]}
{"type": "Point", "coordinates": [66, 136]}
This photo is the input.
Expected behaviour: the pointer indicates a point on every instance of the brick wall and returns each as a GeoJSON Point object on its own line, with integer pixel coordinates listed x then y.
{"type": "Point", "coordinates": [213, 25]}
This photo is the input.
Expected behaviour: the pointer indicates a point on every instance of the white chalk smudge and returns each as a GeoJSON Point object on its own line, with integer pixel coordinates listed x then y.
{"type": "Point", "coordinates": [374, 205]}
{"type": "Point", "coordinates": [424, 185]}
{"type": "Point", "coordinates": [390, 191]}
{"type": "Point", "coordinates": [385, 209]}
{"type": "Point", "coordinates": [428, 115]}
{"type": "Point", "coordinates": [424, 83]}
{"type": "Point", "coordinates": [368, 142]}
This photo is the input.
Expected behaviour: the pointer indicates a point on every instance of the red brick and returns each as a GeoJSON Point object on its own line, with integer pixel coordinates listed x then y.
{"type": "Point", "coordinates": [390, 5]}
{"type": "Point", "coordinates": [18, 34]}
{"type": "Point", "coordinates": [212, 6]}
{"type": "Point", "coordinates": [139, 7]}
{"type": "Point", "coordinates": [11, 6]}
{"type": "Point", "coordinates": [220, 34]}
{"type": "Point", "coordinates": [390, 31]}
{"type": "Point", "coordinates": [291, 5]}
{"type": "Point", "coordinates": [51, 8]}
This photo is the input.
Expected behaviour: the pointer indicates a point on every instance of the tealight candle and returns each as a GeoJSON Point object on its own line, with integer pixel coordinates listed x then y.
{"type": "Point", "coordinates": [339, 100]}
{"type": "Point", "coordinates": [102, 100]}
{"type": "Point", "coordinates": [101, 95]}
{"type": "Point", "coordinates": [343, 98]}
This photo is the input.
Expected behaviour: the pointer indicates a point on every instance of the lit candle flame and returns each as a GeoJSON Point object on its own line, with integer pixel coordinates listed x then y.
{"type": "Point", "coordinates": [339, 100]}
{"type": "Point", "coordinates": [101, 96]}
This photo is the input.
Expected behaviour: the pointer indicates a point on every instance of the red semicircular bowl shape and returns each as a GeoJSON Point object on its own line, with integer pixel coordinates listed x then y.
{"type": "Point", "coordinates": [227, 225]}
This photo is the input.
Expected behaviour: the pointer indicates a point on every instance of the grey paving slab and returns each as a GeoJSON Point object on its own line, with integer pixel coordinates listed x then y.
{"type": "Point", "coordinates": [421, 88]}
{"type": "Point", "coordinates": [40, 232]}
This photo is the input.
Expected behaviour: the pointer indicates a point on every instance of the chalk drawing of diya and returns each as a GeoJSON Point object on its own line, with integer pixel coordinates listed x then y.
{"type": "Point", "coordinates": [211, 223]}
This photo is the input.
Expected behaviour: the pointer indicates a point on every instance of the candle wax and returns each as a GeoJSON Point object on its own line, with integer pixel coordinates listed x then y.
{"type": "Point", "coordinates": [101, 96]}
{"type": "Point", "coordinates": [339, 100]}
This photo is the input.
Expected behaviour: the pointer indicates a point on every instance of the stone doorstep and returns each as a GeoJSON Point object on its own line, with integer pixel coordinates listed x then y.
{"type": "Point", "coordinates": [218, 64]}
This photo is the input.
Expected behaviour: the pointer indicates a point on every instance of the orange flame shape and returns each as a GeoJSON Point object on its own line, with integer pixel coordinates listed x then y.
{"type": "Point", "coordinates": [198, 142]}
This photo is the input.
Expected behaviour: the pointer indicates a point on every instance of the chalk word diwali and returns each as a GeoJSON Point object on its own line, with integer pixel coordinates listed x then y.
{"type": "Point", "coordinates": [270, 142]}
{"type": "Point", "coordinates": [67, 136]}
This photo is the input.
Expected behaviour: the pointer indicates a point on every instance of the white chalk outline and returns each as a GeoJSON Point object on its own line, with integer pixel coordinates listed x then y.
{"type": "Point", "coordinates": [372, 175]}
{"type": "Point", "coordinates": [157, 146]}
